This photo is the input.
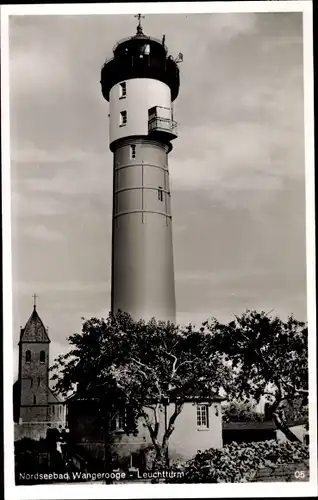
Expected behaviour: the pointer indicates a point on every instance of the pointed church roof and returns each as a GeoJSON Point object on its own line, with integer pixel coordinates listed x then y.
{"type": "Point", "coordinates": [34, 330]}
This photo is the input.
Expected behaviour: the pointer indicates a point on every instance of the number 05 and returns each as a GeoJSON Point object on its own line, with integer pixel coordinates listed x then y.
{"type": "Point", "coordinates": [300, 474]}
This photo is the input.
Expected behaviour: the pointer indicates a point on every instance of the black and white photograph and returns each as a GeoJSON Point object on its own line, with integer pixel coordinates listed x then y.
{"type": "Point", "coordinates": [159, 256]}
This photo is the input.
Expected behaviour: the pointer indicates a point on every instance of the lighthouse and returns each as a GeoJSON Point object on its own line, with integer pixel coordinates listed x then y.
{"type": "Point", "coordinates": [141, 82]}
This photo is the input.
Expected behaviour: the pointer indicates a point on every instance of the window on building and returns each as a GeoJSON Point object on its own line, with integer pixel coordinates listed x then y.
{"type": "Point", "coordinates": [203, 416]}
{"type": "Point", "coordinates": [120, 420]}
{"type": "Point", "coordinates": [28, 356]}
{"type": "Point", "coordinates": [123, 118]}
{"type": "Point", "coordinates": [42, 357]}
{"type": "Point", "coordinates": [34, 400]}
{"type": "Point", "coordinates": [267, 413]}
{"type": "Point", "coordinates": [122, 90]}
{"type": "Point", "coordinates": [31, 381]}
{"type": "Point", "coordinates": [39, 381]}
{"type": "Point", "coordinates": [160, 193]}
{"type": "Point", "coordinates": [306, 438]}
{"type": "Point", "coordinates": [132, 151]}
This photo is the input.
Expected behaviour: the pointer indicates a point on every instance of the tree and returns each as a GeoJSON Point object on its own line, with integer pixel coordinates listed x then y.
{"type": "Point", "coordinates": [268, 357]}
{"type": "Point", "coordinates": [236, 411]}
{"type": "Point", "coordinates": [143, 367]}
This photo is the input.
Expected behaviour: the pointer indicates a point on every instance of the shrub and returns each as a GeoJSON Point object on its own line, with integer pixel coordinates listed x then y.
{"type": "Point", "coordinates": [237, 462]}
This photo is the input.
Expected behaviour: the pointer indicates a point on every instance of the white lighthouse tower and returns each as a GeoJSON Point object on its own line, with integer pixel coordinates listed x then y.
{"type": "Point", "coordinates": [141, 82]}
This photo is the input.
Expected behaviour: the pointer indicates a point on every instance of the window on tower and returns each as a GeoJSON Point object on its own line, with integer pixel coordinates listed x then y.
{"type": "Point", "coordinates": [145, 50]}
{"type": "Point", "coordinates": [42, 357]}
{"type": "Point", "coordinates": [122, 90]}
{"type": "Point", "coordinates": [123, 118]}
{"type": "Point", "coordinates": [34, 400]}
{"type": "Point", "coordinates": [132, 151]}
{"type": "Point", "coordinates": [160, 193]}
{"type": "Point", "coordinates": [28, 357]}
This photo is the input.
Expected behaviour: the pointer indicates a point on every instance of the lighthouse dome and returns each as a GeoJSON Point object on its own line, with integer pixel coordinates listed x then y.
{"type": "Point", "coordinates": [140, 56]}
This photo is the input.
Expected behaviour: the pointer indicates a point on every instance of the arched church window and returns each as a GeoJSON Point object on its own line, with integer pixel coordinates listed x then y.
{"type": "Point", "coordinates": [42, 357]}
{"type": "Point", "coordinates": [28, 356]}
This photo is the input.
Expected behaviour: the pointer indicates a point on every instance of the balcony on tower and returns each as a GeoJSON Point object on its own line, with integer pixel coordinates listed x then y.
{"type": "Point", "coordinates": [161, 124]}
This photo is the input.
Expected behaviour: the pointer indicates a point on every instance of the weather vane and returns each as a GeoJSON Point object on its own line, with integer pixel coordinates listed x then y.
{"type": "Point", "coordinates": [139, 27]}
{"type": "Point", "coordinates": [34, 298]}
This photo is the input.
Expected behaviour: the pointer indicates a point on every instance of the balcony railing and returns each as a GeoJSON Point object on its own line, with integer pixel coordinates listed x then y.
{"type": "Point", "coordinates": [166, 125]}
{"type": "Point", "coordinates": [144, 38]}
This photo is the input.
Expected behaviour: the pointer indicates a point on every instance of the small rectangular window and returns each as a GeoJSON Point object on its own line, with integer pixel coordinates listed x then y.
{"type": "Point", "coordinates": [123, 118]}
{"type": "Point", "coordinates": [160, 194]}
{"type": "Point", "coordinates": [203, 416]}
{"type": "Point", "coordinates": [34, 400]}
{"type": "Point", "coordinates": [122, 90]}
{"type": "Point", "coordinates": [120, 419]}
{"type": "Point", "coordinates": [132, 152]}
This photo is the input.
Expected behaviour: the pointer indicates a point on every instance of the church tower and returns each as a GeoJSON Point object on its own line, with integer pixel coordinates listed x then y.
{"type": "Point", "coordinates": [33, 380]}
{"type": "Point", "coordinates": [35, 406]}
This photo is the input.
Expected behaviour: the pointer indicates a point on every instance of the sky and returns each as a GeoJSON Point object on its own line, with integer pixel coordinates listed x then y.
{"type": "Point", "coordinates": [237, 169]}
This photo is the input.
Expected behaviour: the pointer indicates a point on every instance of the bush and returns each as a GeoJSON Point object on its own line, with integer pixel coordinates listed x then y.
{"type": "Point", "coordinates": [237, 462]}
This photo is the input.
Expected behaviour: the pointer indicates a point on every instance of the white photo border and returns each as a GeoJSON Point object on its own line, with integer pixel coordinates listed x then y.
{"type": "Point", "coordinates": [237, 490]}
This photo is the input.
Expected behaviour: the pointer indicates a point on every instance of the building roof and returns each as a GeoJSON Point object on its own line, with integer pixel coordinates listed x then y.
{"type": "Point", "coordinates": [215, 398]}
{"type": "Point", "coordinates": [259, 426]}
{"type": "Point", "coordinates": [283, 473]}
{"type": "Point", "coordinates": [34, 330]}
{"type": "Point", "coordinates": [54, 398]}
